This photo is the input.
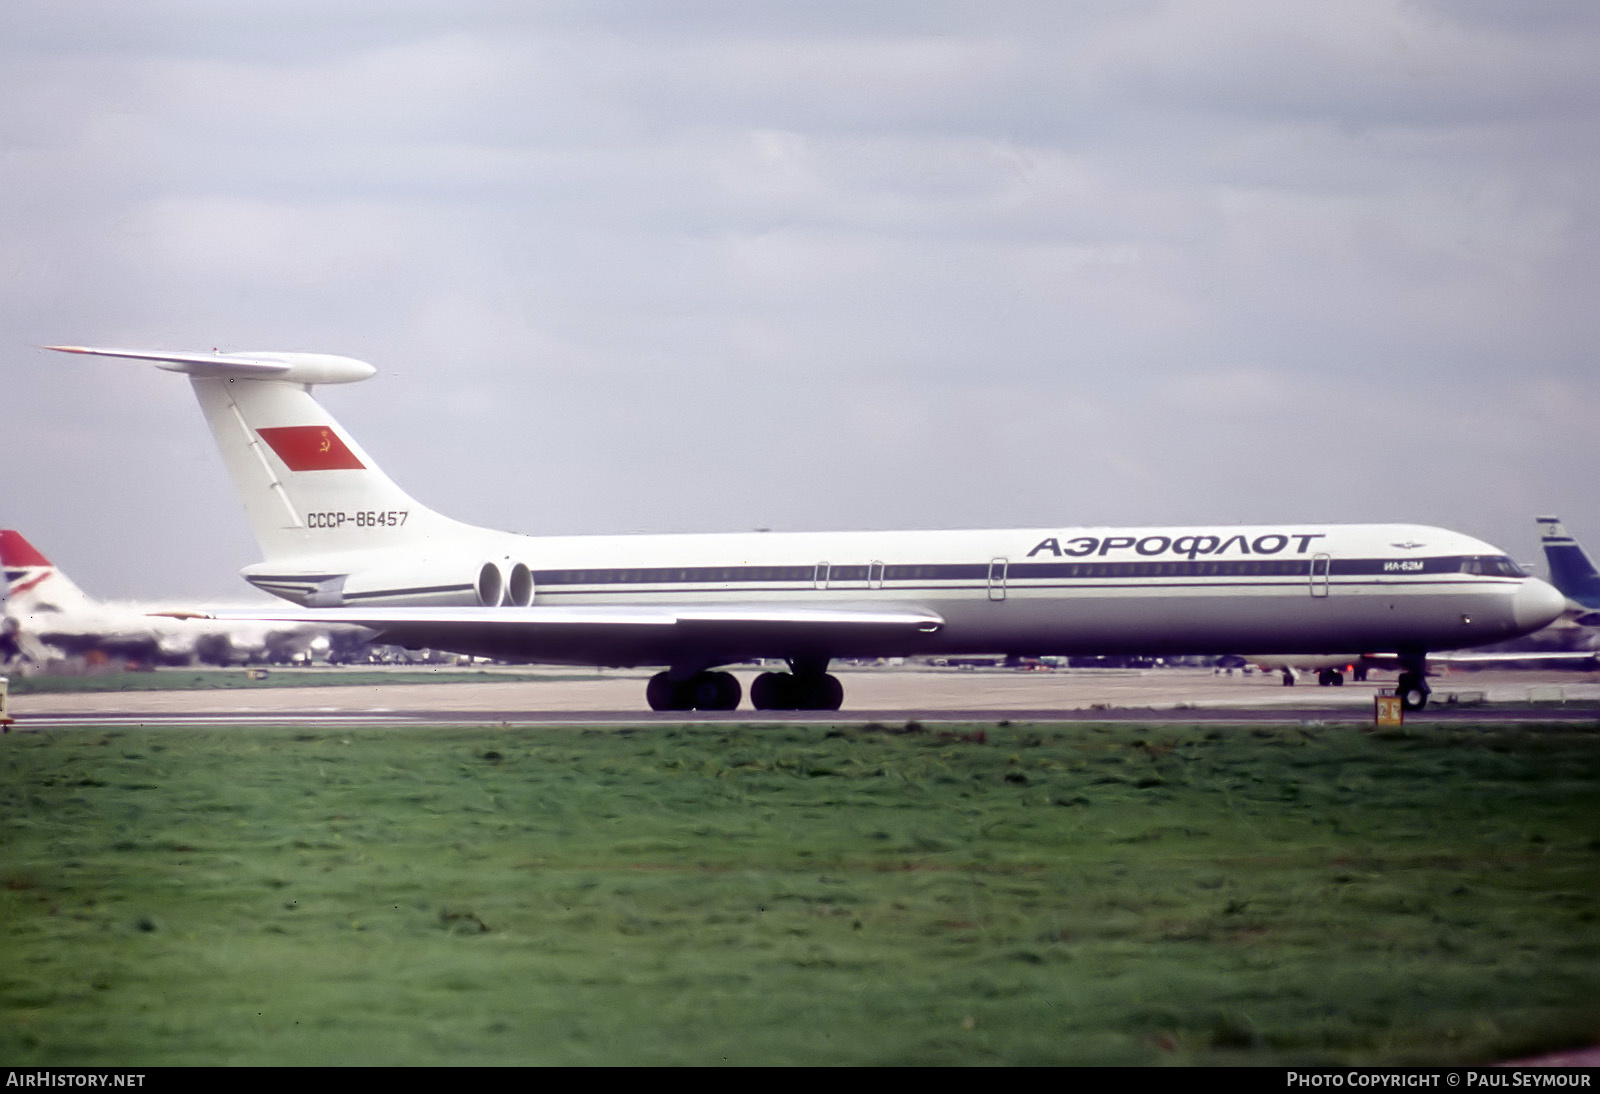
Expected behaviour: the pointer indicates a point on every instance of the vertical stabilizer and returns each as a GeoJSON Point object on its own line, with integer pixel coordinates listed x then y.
{"type": "Point", "coordinates": [307, 486]}
{"type": "Point", "coordinates": [332, 527]}
{"type": "Point", "coordinates": [35, 583]}
{"type": "Point", "coordinates": [1571, 569]}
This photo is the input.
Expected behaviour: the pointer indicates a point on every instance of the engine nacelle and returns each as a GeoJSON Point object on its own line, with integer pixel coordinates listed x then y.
{"type": "Point", "coordinates": [418, 583]}
{"type": "Point", "coordinates": [519, 587]}
{"type": "Point", "coordinates": [506, 587]}
{"type": "Point", "coordinates": [424, 584]}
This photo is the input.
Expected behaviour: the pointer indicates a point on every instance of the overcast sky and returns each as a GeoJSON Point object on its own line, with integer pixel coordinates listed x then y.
{"type": "Point", "coordinates": [713, 265]}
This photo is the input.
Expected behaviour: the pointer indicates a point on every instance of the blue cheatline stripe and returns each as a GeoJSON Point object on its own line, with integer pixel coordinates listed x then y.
{"type": "Point", "coordinates": [1176, 574]}
{"type": "Point", "coordinates": [1299, 586]}
{"type": "Point", "coordinates": [1019, 571]}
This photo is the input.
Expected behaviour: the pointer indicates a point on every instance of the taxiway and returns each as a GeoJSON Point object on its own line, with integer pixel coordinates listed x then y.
{"type": "Point", "coordinates": [876, 695]}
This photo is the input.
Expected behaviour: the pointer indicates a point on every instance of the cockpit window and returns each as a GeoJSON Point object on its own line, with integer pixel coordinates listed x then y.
{"type": "Point", "coordinates": [1491, 566]}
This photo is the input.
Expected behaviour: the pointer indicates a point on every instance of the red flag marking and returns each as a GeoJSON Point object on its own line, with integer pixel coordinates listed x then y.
{"type": "Point", "coordinates": [311, 448]}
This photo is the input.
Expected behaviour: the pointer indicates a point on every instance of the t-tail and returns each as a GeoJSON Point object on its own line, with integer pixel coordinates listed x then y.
{"type": "Point", "coordinates": [1571, 570]}
{"type": "Point", "coordinates": [332, 527]}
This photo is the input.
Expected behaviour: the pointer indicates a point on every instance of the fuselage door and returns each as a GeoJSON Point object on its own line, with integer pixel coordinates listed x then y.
{"type": "Point", "coordinates": [997, 578]}
{"type": "Point", "coordinates": [874, 575]}
{"type": "Point", "coordinates": [1321, 567]}
{"type": "Point", "coordinates": [819, 578]}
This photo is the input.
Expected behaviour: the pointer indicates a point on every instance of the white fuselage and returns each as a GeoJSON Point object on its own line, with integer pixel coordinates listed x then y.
{"type": "Point", "coordinates": [1267, 589]}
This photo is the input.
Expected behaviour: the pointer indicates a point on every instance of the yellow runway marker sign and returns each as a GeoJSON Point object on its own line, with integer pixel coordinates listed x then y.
{"type": "Point", "coordinates": [1387, 711]}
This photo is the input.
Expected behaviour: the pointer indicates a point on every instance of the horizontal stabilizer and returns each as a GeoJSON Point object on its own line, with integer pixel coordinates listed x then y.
{"type": "Point", "coordinates": [300, 368]}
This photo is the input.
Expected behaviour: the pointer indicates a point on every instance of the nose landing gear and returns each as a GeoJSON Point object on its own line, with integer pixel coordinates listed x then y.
{"type": "Point", "coordinates": [1412, 686]}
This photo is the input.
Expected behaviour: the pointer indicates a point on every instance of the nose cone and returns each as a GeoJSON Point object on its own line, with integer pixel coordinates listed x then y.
{"type": "Point", "coordinates": [1537, 604]}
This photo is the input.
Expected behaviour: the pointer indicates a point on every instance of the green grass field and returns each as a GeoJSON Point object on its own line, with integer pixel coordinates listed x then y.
{"type": "Point", "coordinates": [750, 894]}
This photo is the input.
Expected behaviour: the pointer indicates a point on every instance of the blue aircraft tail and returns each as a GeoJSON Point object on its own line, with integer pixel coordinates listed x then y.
{"type": "Point", "coordinates": [1571, 569]}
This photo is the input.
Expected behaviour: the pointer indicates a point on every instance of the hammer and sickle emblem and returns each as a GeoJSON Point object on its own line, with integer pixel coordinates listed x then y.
{"type": "Point", "coordinates": [327, 442]}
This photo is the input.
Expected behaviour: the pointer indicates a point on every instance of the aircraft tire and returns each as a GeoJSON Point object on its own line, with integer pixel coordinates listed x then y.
{"type": "Point", "coordinates": [715, 691]}
{"type": "Point", "coordinates": [664, 693]}
{"type": "Point", "coordinates": [772, 691]}
{"type": "Point", "coordinates": [820, 692]}
{"type": "Point", "coordinates": [1413, 691]}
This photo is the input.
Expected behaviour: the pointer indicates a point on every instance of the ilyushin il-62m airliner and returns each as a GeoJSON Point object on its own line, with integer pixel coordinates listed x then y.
{"type": "Point", "coordinates": [342, 541]}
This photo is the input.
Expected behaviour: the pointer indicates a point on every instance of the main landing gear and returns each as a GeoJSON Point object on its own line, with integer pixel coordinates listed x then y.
{"type": "Point", "coordinates": [702, 691]}
{"type": "Point", "coordinates": [808, 687]}
{"type": "Point", "coordinates": [796, 691]}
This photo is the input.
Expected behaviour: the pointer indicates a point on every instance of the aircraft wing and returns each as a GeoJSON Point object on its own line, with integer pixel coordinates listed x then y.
{"type": "Point", "coordinates": [1580, 615]}
{"type": "Point", "coordinates": [1487, 658]}
{"type": "Point", "coordinates": [632, 634]}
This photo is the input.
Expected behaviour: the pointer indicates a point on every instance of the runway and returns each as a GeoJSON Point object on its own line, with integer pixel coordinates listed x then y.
{"type": "Point", "coordinates": [887, 696]}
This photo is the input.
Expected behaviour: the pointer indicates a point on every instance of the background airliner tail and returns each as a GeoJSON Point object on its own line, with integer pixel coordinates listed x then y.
{"type": "Point", "coordinates": [35, 583]}
{"type": "Point", "coordinates": [1571, 570]}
